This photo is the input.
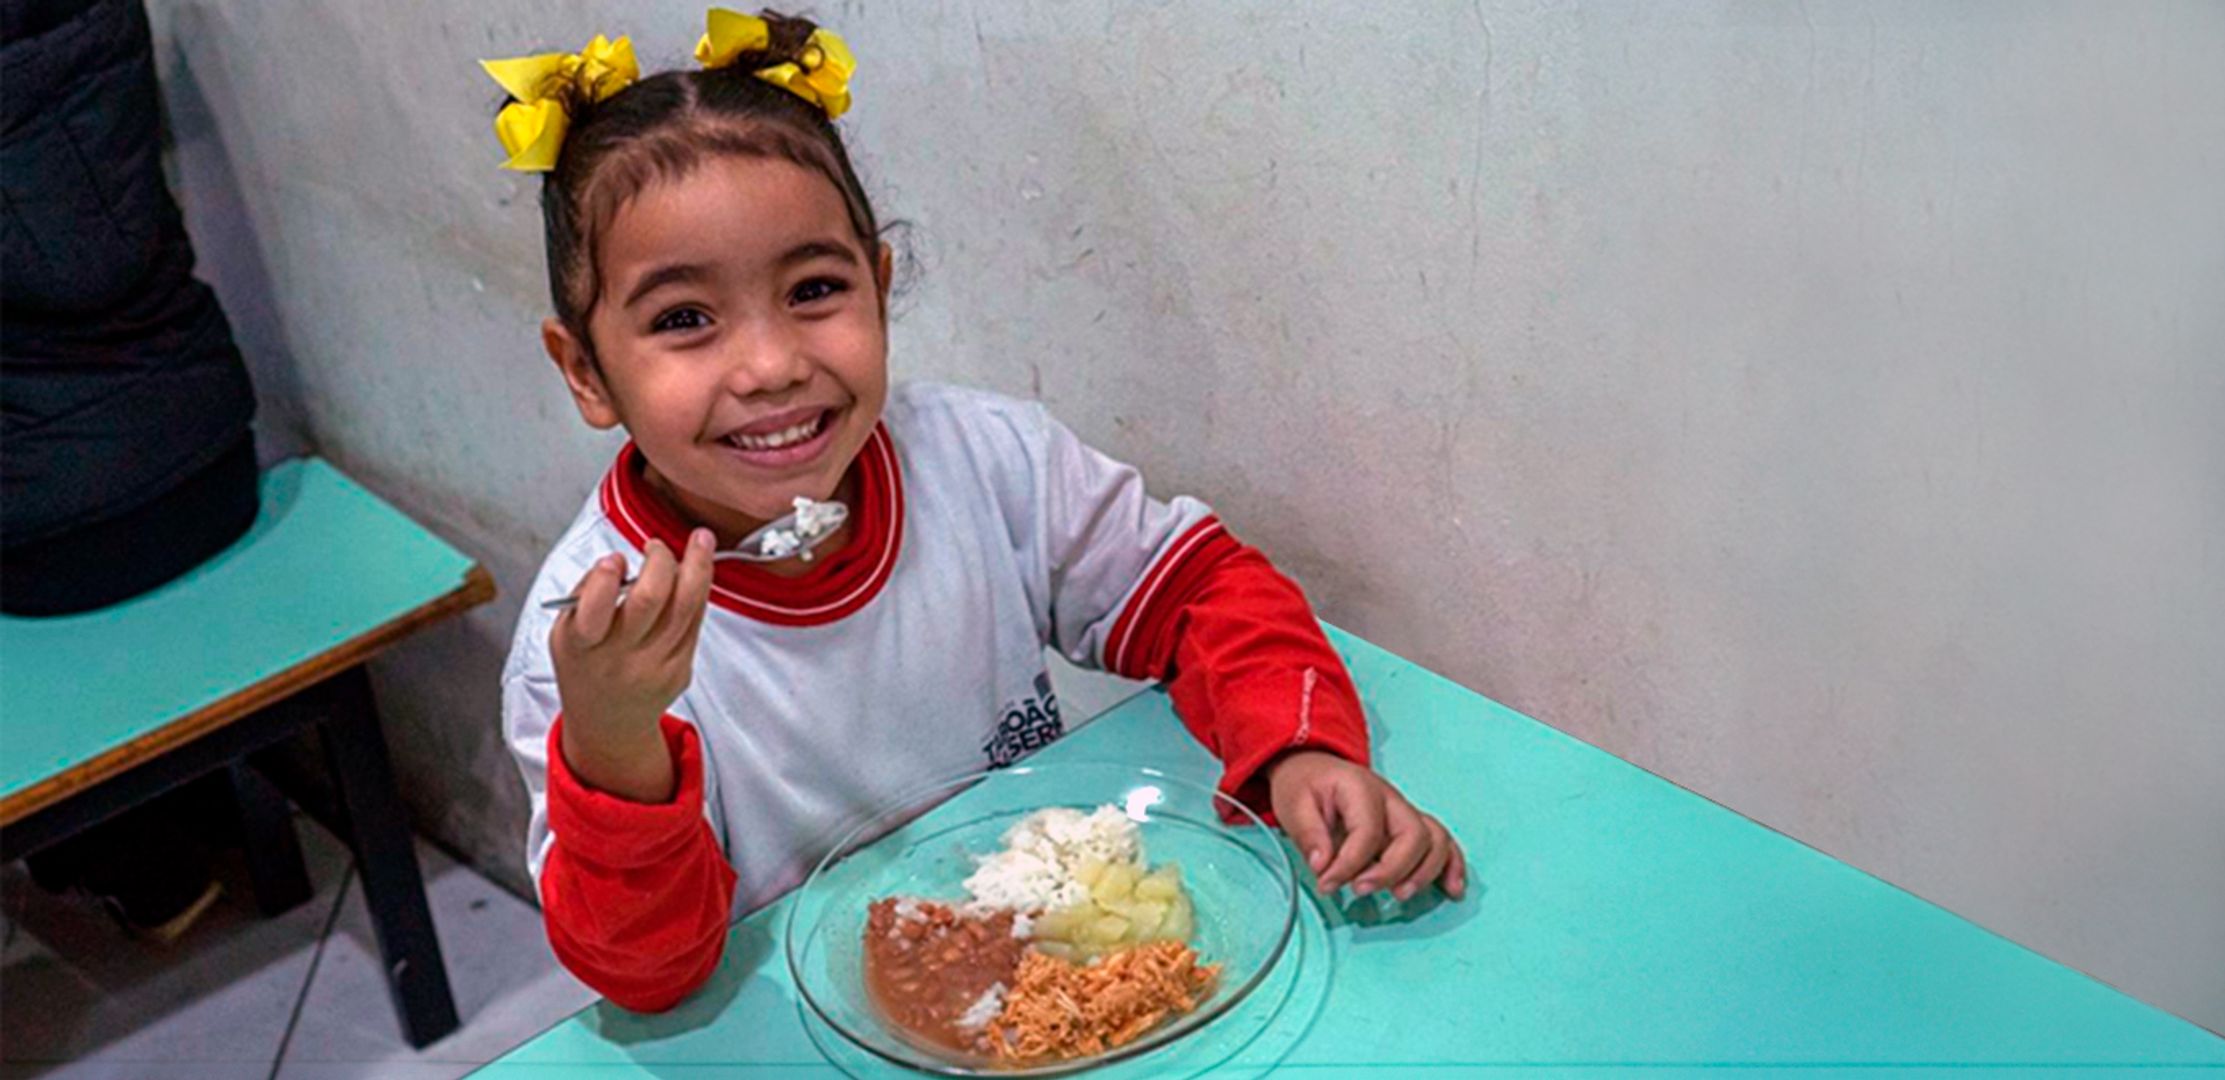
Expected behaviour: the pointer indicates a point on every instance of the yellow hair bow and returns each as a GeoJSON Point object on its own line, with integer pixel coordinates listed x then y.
{"type": "Point", "coordinates": [532, 127]}
{"type": "Point", "coordinates": [821, 76]}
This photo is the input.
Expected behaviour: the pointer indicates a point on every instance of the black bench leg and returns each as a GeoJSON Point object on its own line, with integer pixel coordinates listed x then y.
{"type": "Point", "coordinates": [266, 821]}
{"type": "Point", "coordinates": [355, 750]}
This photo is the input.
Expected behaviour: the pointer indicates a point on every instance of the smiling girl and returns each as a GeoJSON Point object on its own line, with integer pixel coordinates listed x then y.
{"type": "Point", "coordinates": [721, 292]}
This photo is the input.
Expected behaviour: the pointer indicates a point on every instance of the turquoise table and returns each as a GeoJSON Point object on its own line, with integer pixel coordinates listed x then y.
{"type": "Point", "coordinates": [1615, 923]}
{"type": "Point", "coordinates": [103, 711]}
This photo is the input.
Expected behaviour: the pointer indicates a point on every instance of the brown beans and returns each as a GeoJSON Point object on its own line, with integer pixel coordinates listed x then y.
{"type": "Point", "coordinates": [926, 967]}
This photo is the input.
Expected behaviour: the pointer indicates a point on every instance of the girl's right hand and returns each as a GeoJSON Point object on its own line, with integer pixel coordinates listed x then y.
{"type": "Point", "coordinates": [619, 667]}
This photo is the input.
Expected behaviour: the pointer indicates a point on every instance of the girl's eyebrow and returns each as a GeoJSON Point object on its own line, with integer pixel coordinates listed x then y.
{"type": "Point", "coordinates": [818, 249]}
{"type": "Point", "coordinates": [681, 273]}
{"type": "Point", "coordinates": [668, 274]}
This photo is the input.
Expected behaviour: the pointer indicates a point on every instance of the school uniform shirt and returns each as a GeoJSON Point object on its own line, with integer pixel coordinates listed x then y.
{"type": "Point", "coordinates": [984, 532]}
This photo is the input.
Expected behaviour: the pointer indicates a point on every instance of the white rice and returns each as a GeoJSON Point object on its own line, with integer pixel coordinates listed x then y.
{"type": "Point", "coordinates": [984, 1009]}
{"type": "Point", "coordinates": [1036, 870]}
{"type": "Point", "coordinates": [813, 517]}
{"type": "Point", "coordinates": [777, 543]}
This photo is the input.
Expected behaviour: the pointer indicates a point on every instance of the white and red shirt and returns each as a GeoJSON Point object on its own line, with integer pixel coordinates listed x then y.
{"type": "Point", "coordinates": [984, 532]}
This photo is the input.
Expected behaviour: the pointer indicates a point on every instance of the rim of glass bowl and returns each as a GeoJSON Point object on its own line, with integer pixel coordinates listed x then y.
{"type": "Point", "coordinates": [920, 801]}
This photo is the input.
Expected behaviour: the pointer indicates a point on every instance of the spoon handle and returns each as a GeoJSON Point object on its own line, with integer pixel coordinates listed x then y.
{"type": "Point", "coordinates": [562, 602]}
{"type": "Point", "coordinates": [802, 551]}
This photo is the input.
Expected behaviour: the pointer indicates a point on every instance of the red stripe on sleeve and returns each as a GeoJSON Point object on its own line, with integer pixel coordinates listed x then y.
{"type": "Point", "coordinates": [1141, 644]}
{"type": "Point", "coordinates": [1243, 657]}
{"type": "Point", "coordinates": [635, 896]}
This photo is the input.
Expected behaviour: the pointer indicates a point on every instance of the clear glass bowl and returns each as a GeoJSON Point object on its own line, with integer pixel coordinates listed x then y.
{"type": "Point", "coordinates": [1238, 873]}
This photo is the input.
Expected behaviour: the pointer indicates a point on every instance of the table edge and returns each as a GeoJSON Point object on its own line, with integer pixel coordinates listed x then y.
{"type": "Point", "coordinates": [476, 588]}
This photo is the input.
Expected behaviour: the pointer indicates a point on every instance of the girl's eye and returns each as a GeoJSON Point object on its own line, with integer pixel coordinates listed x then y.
{"type": "Point", "coordinates": [817, 289]}
{"type": "Point", "coordinates": [679, 319]}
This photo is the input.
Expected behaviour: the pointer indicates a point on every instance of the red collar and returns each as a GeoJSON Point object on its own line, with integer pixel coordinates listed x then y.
{"type": "Point", "coordinates": [839, 585]}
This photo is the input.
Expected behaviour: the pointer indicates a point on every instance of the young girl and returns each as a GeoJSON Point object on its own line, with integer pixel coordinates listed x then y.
{"type": "Point", "coordinates": [721, 292]}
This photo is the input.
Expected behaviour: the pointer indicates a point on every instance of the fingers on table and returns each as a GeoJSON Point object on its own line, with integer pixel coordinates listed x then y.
{"type": "Point", "coordinates": [1359, 810]}
{"type": "Point", "coordinates": [1308, 827]}
{"type": "Point", "coordinates": [1407, 842]}
{"type": "Point", "coordinates": [1436, 858]}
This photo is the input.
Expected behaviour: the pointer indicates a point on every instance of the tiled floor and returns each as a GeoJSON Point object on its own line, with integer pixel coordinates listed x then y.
{"type": "Point", "coordinates": [247, 998]}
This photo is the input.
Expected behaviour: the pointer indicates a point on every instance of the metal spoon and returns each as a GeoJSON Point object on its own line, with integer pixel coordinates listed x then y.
{"type": "Point", "coordinates": [781, 538]}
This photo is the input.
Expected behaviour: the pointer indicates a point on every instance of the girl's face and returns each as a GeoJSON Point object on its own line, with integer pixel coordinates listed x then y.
{"type": "Point", "coordinates": [743, 337]}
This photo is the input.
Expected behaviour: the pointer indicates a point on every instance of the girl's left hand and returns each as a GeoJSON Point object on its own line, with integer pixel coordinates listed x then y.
{"type": "Point", "coordinates": [1355, 828]}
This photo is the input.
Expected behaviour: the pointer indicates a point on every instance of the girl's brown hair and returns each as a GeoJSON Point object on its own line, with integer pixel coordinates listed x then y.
{"type": "Point", "coordinates": [663, 127]}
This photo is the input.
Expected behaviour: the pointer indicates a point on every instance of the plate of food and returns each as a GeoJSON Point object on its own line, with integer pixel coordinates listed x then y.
{"type": "Point", "coordinates": [1046, 920]}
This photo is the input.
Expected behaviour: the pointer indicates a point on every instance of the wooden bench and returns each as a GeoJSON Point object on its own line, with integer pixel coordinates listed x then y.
{"type": "Point", "coordinates": [103, 711]}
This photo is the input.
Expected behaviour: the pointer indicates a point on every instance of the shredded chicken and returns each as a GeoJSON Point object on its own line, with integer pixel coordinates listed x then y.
{"type": "Point", "coordinates": [1057, 1009]}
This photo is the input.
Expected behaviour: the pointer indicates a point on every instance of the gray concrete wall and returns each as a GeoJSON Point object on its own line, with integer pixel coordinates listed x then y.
{"type": "Point", "coordinates": [1818, 405]}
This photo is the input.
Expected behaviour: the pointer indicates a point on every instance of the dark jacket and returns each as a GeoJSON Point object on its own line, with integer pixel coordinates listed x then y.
{"type": "Point", "coordinates": [118, 374]}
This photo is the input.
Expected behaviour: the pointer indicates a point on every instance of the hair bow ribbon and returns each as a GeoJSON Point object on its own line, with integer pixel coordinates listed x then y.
{"type": "Point", "coordinates": [545, 87]}
{"type": "Point", "coordinates": [821, 75]}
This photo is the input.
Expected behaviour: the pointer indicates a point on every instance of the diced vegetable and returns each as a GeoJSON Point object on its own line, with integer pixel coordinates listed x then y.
{"type": "Point", "coordinates": [1165, 883]}
{"type": "Point", "coordinates": [1127, 906]}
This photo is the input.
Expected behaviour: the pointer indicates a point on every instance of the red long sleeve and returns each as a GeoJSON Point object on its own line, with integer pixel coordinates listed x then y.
{"type": "Point", "coordinates": [1244, 659]}
{"type": "Point", "coordinates": [635, 895]}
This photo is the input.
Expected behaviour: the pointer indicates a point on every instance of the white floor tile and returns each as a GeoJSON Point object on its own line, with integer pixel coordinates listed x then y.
{"type": "Point", "coordinates": [507, 983]}
{"type": "Point", "coordinates": [78, 991]}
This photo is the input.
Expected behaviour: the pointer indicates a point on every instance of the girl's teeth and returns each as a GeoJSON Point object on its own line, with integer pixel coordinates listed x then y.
{"type": "Point", "coordinates": [779, 439]}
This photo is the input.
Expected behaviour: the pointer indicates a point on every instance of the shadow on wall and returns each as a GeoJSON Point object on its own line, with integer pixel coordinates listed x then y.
{"type": "Point", "coordinates": [208, 191]}
{"type": "Point", "coordinates": [438, 695]}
